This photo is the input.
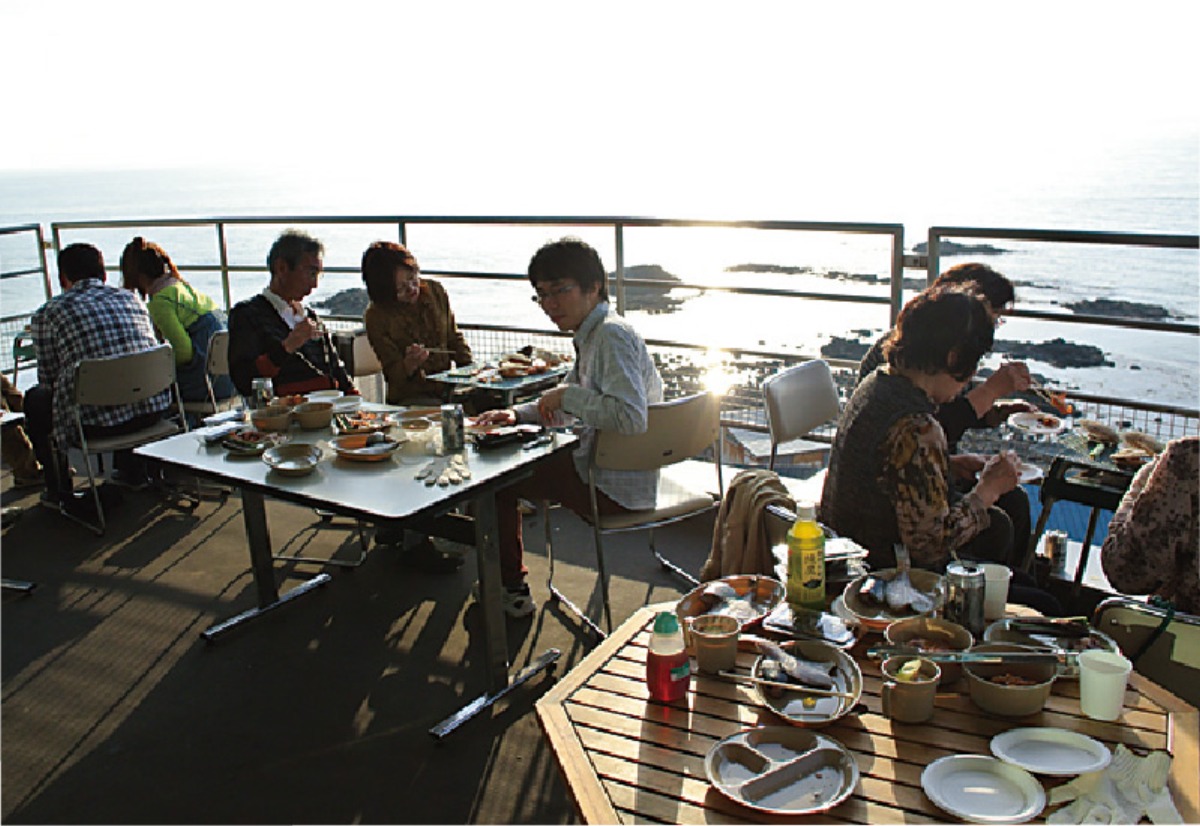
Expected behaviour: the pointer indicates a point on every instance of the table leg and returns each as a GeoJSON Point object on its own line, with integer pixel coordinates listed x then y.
{"type": "Point", "coordinates": [254, 516]}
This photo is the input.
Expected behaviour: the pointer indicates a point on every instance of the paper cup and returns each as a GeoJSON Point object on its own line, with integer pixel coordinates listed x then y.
{"type": "Point", "coordinates": [995, 592]}
{"type": "Point", "coordinates": [1102, 678]}
{"type": "Point", "coordinates": [715, 638]}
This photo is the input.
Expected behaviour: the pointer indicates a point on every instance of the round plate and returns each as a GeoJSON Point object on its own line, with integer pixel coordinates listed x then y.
{"type": "Point", "coordinates": [878, 617]}
{"type": "Point", "coordinates": [820, 710]}
{"type": "Point", "coordinates": [345, 404]}
{"type": "Point", "coordinates": [324, 395]}
{"type": "Point", "coordinates": [1051, 751]}
{"type": "Point", "coordinates": [293, 459]}
{"type": "Point", "coordinates": [239, 447]}
{"type": "Point", "coordinates": [1027, 473]}
{"type": "Point", "coordinates": [983, 789]}
{"type": "Point", "coordinates": [352, 448]}
{"type": "Point", "coordinates": [1037, 424]}
{"type": "Point", "coordinates": [766, 769]}
{"type": "Point", "coordinates": [362, 422]}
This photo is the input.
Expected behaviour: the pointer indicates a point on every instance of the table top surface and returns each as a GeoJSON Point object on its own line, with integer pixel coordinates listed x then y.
{"type": "Point", "coordinates": [467, 375]}
{"type": "Point", "coordinates": [627, 759]}
{"type": "Point", "coordinates": [385, 489]}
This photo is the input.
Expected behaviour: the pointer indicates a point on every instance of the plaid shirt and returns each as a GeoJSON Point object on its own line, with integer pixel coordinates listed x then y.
{"type": "Point", "coordinates": [90, 320]}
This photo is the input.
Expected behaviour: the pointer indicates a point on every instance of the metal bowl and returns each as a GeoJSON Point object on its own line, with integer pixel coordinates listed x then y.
{"type": "Point", "coordinates": [811, 711]}
{"type": "Point", "coordinates": [878, 617]}
{"type": "Point", "coordinates": [755, 597]}
{"type": "Point", "coordinates": [314, 415]}
{"type": "Point", "coordinates": [1071, 647]}
{"type": "Point", "coordinates": [293, 459]}
{"type": "Point", "coordinates": [940, 632]}
{"type": "Point", "coordinates": [1009, 700]}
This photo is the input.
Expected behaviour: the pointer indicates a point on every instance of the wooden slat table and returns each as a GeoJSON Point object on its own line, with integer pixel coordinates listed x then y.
{"type": "Point", "coordinates": [627, 759]}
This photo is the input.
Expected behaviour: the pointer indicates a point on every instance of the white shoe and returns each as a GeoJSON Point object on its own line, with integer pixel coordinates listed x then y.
{"type": "Point", "coordinates": [518, 602]}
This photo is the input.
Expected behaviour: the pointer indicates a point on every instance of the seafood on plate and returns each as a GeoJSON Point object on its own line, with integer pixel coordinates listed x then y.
{"type": "Point", "coordinates": [898, 593]}
{"type": "Point", "coordinates": [725, 600]}
{"type": "Point", "coordinates": [780, 666]}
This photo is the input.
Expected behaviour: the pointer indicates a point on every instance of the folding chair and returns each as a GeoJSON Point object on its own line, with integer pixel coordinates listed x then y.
{"type": "Point", "coordinates": [676, 430]}
{"type": "Point", "coordinates": [798, 400]}
{"type": "Point", "coordinates": [217, 364]}
{"type": "Point", "coordinates": [364, 362]}
{"type": "Point", "coordinates": [1163, 644]}
{"type": "Point", "coordinates": [122, 380]}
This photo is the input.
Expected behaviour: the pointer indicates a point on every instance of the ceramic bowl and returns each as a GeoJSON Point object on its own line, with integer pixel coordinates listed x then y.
{"type": "Point", "coordinates": [1009, 700]}
{"type": "Point", "coordinates": [314, 415]}
{"type": "Point", "coordinates": [932, 635]}
{"type": "Point", "coordinates": [293, 459]}
{"type": "Point", "coordinates": [271, 418]}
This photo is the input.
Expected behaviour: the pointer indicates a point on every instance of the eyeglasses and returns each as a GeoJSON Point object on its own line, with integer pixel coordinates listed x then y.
{"type": "Point", "coordinates": [541, 297]}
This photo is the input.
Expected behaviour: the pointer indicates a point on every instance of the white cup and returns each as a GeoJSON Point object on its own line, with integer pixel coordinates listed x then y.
{"type": "Point", "coordinates": [1102, 678]}
{"type": "Point", "coordinates": [995, 591]}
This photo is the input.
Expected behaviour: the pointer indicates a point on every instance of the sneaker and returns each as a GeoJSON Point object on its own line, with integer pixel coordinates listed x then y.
{"type": "Point", "coordinates": [518, 601]}
{"type": "Point", "coordinates": [425, 557]}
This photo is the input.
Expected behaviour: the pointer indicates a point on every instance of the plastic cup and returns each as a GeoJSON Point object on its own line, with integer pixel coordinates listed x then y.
{"type": "Point", "coordinates": [715, 638]}
{"type": "Point", "coordinates": [995, 590]}
{"type": "Point", "coordinates": [1102, 678]}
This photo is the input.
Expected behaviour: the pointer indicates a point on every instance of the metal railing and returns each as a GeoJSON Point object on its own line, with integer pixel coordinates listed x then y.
{"type": "Point", "coordinates": [742, 407]}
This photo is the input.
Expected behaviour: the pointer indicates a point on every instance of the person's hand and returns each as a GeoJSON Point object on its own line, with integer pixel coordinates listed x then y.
{"type": "Point", "coordinates": [999, 413]}
{"type": "Point", "coordinates": [500, 417]}
{"type": "Point", "coordinates": [1010, 377]}
{"type": "Point", "coordinates": [550, 403]}
{"type": "Point", "coordinates": [414, 357]}
{"type": "Point", "coordinates": [300, 335]}
{"type": "Point", "coordinates": [966, 465]}
{"type": "Point", "coordinates": [999, 476]}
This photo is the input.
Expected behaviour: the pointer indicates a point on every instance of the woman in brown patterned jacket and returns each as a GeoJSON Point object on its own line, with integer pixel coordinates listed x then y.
{"type": "Point", "coordinates": [410, 325]}
{"type": "Point", "coordinates": [1153, 543]}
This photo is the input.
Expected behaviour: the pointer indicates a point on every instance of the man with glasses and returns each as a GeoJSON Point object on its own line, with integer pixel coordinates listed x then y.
{"type": "Point", "coordinates": [273, 335]}
{"type": "Point", "coordinates": [610, 386]}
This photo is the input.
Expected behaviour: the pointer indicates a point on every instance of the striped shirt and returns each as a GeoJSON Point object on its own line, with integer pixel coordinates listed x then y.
{"type": "Point", "coordinates": [90, 320]}
{"type": "Point", "coordinates": [609, 387]}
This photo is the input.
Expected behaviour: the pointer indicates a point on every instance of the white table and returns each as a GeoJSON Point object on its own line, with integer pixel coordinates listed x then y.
{"type": "Point", "coordinates": [374, 491]}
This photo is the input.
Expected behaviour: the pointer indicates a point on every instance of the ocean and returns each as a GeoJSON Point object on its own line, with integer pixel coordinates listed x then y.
{"type": "Point", "coordinates": [1158, 193]}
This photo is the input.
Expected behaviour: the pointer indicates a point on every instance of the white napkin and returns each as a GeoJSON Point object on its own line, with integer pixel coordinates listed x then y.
{"type": "Point", "coordinates": [1129, 787]}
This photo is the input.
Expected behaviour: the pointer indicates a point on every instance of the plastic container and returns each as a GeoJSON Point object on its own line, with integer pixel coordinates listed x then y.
{"type": "Point", "coordinates": [806, 561]}
{"type": "Point", "coordinates": [668, 669]}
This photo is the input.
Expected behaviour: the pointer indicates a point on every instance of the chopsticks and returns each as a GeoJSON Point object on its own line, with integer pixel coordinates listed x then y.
{"type": "Point", "coordinates": [803, 689]}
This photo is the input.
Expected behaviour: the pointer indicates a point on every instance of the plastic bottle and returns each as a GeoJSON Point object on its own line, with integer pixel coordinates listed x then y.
{"type": "Point", "coordinates": [806, 561]}
{"type": "Point", "coordinates": [668, 669]}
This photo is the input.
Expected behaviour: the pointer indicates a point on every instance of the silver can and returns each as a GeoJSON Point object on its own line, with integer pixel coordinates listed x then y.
{"type": "Point", "coordinates": [262, 390]}
{"type": "Point", "coordinates": [452, 427]}
{"type": "Point", "coordinates": [1055, 551]}
{"type": "Point", "coordinates": [965, 584]}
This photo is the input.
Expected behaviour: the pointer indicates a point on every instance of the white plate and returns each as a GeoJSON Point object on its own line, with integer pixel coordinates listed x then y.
{"type": "Point", "coordinates": [1032, 423]}
{"type": "Point", "coordinates": [323, 395]}
{"type": "Point", "coordinates": [1029, 473]}
{"type": "Point", "coordinates": [983, 789]}
{"type": "Point", "coordinates": [1051, 751]}
{"type": "Point", "coordinates": [346, 404]}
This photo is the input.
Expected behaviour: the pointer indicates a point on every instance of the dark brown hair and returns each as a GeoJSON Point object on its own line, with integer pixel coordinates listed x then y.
{"type": "Point", "coordinates": [379, 265]}
{"type": "Point", "coordinates": [143, 258]}
{"type": "Point", "coordinates": [997, 289]}
{"type": "Point", "coordinates": [572, 258]}
{"type": "Point", "coordinates": [942, 329]}
{"type": "Point", "coordinates": [79, 261]}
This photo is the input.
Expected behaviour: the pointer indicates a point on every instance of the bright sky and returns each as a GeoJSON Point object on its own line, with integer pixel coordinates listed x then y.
{"type": "Point", "coordinates": [683, 96]}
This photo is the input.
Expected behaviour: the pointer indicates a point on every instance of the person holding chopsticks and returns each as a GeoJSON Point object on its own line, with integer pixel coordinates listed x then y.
{"type": "Point", "coordinates": [410, 325]}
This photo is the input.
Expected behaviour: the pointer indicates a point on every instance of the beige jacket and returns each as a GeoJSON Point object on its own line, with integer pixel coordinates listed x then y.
{"type": "Point", "coordinates": [740, 543]}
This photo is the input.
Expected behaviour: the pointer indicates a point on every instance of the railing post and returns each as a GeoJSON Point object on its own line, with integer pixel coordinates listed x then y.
{"type": "Point", "coordinates": [897, 285]}
{"type": "Point", "coordinates": [41, 245]}
{"type": "Point", "coordinates": [224, 264]}
{"type": "Point", "coordinates": [619, 230]}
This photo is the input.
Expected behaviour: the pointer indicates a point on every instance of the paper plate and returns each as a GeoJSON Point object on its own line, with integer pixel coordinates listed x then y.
{"type": "Point", "coordinates": [983, 789]}
{"type": "Point", "coordinates": [1038, 424]}
{"type": "Point", "coordinates": [345, 404]}
{"type": "Point", "coordinates": [1051, 751]}
{"type": "Point", "coordinates": [782, 770]}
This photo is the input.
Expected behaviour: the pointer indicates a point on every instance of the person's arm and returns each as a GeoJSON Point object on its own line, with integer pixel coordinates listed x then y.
{"type": "Point", "coordinates": [956, 417]}
{"type": "Point", "coordinates": [164, 312]}
{"type": "Point", "coordinates": [914, 477]}
{"type": "Point", "coordinates": [43, 348]}
{"type": "Point", "coordinates": [390, 340]}
{"type": "Point", "coordinates": [621, 402]}
{"type": "Point", "coordinates": [1139, 555]}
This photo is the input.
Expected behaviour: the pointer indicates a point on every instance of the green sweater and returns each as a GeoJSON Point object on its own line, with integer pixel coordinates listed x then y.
{"type": "Point", "coordinates": [173, 309]}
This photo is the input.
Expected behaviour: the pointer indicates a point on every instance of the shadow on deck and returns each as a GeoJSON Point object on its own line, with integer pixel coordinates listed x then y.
{"type": "Point", "coordinates": [115, 711]}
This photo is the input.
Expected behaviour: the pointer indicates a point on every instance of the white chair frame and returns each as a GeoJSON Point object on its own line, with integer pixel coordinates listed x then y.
{"type": "Point", "coordinates": [798, 400]}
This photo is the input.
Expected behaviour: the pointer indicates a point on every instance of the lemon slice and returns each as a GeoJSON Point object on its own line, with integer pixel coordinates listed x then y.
{"type": "Point", "coordinates": [909, 672]}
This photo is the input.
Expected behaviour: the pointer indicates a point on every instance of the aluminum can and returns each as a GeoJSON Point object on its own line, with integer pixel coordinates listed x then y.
{"type": "Point", "coordinates": [452, 427]}
{"type": "Point", "coordinates": [964, 596]}
{"type": "Point", "coordinates": [1055, 551]}
{"type": "Point", "coordinates": [262, 390]}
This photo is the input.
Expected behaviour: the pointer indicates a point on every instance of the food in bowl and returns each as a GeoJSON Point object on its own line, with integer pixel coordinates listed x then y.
{"type": "Point", "coordinates": [271, 418]}
{"type": "Point", "coordinates": [313, 415]}
{"type": "Point", "coordinates": [745, 597]}
{"type": "Point", "coordinates": [1010, 689]}
{"type": "Point", "coordinates": [931, 635]}
{"type": "Point", "coordinates": [286, 401]}
{"type": "Point", "coordinates": [1095, 431]}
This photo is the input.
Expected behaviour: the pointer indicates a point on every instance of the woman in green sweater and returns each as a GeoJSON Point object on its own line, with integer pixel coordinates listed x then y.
{"type": "Point", "coordinates": [183, 316]}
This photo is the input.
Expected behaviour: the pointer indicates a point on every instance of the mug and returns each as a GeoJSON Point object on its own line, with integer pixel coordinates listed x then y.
{"type": "Point", "coordinates": [715, 638]}
{"type": "Point", "coordinates": [909, 701]}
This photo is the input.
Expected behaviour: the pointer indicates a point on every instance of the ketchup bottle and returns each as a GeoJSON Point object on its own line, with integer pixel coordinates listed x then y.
{"type": "Point", "coordinates": [668, 669]}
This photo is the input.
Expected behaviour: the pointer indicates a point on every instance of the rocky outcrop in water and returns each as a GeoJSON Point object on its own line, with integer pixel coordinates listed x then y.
{"type": "Point", "coordinates": [1057, 352]}
{"type": "Point", "coordinates": [834, 275]}
{"type": "Point", "coordinates": [352, 303]}
{"type": "Point", "coordinates": [1118, 309]}
{"type": "Point", "coordinates": [845, 348]}
{"type": "Point", "coordinates": [954, 248]}
{"type": "Point", "coordinates": [651, 298]}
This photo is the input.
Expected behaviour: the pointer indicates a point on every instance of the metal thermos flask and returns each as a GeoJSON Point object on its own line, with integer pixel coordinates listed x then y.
{"type": "Point", "coordinates": [964, 596]}
{"type": "Point", "coordinates": [452, 427]}
{"type": "Point", "coordinates": [1055, 550]}
{"type": "Point", "coordinates": [262, 390]}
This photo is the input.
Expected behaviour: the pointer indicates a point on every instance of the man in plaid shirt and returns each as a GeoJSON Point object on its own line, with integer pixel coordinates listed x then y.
{"type": "Point", "coordinates": [88, 320]}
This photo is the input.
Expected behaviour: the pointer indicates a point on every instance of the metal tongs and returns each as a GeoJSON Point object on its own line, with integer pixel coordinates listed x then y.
{"type": "Point", "coordinates": [1067, 627]}
{"type": "Point", "coordinates": [985, 658]}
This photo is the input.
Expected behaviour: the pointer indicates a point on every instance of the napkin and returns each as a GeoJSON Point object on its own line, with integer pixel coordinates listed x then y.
{"type": "Point", "coordinates": [445, 470]}
{"type": "Point", "coordinates": [1127, 788]}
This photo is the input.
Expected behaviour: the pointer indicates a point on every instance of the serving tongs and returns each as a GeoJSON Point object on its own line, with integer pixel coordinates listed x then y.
{"type": "Point", "coordinates": [980, 657]}
{"type": "Point", "coordinates": [1066, 627]}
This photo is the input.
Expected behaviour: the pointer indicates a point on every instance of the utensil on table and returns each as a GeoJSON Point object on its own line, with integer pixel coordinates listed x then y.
{"type": "Point", "coordinates": [981, 657]}
{"type": "Point", "coordinates": [797, 687]}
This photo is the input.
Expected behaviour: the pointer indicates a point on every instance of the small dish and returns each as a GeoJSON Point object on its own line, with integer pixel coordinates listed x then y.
{"type": "Point", "coordinates": [286, 401]}
{"type": "Point", "coordinates": [1037, 424]}
{"type": "Point", "coordinates": [250, 442]}
{"type": "Point", "coordinates": [782, 770]}
{"type": "Point", "coordinates": [366, 447]}
{"type": "Point", "coordinates": [362, 421]}
{"type": "Point", "coordinates": [812, 710]}
{"type": "Point", "coordinates": [745, 597]}
{"type": "Point", "coordinates": [1054, 752]}
{"type": "Point", "coordinates": [275, 419]}
{"type": "Point", "coordinates": [1095, 431]}
{"type": "Point", "coordinates": [983, 789]}
{"type": "Point", "coordinates": [932, 635]}
{"type": "Point", "coordinates": [1009, 699]}
{"type": "Point", "coordinates": [293, 459]}
{"type": "Point", "coordinates": [313, 415]}
{"type": "Point", "coordinates": [345, 404]}
{"type": "Point", "coordinates": [324, 395]}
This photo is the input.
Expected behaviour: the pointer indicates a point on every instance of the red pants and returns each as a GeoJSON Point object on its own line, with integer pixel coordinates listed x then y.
{"type": "Point", "coordinates": [555, 480]}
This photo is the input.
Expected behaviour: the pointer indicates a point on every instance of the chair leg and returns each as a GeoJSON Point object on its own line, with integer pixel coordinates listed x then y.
{"type": "Point", "coordinates": [326, 518]}
{"type": "Point", "coordinates": [557, 595]}
{"type": "Point", "coordinates": [671, 566]}
{"type": "Point", "coordinates": [603, 574]}
{"type": "Point", "coordinates": [97, 529]}
{"type": "Point", "coordinates": [1031, 551]}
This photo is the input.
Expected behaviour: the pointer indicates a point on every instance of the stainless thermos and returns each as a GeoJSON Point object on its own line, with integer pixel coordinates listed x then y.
{"type": "Point", "coordinates": [964, 596]}
{"type": "Point", "coordinates": [1055, 551]}
{"type": "Point", "coordinates": [452, 427]}
{"type": "Point", "coordinates": [262, 390]}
